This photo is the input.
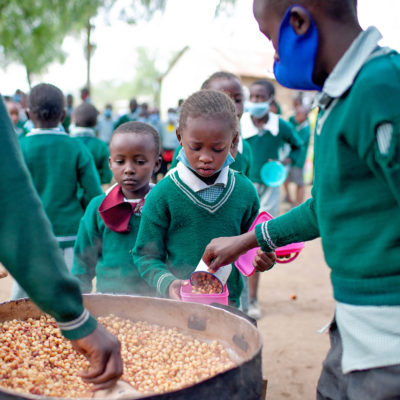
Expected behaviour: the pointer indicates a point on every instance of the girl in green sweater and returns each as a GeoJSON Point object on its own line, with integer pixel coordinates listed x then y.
{"type": "Point", "coordinates": [109, 227]}
{"type": "Point", "coordinates": [202, 198]}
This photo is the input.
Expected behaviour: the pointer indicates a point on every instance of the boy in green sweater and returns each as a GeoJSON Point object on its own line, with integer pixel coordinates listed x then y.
{"type": "Point", "coordinates": [356, 195]}
{"type": "Point", "coordinates": [85, 121]}
{"type": "Point", "coordinates": [58, 165]}
{"type": "Point", "coordinates": [202, 198]}
{"type": "Point", "coordinates": [108, 229]}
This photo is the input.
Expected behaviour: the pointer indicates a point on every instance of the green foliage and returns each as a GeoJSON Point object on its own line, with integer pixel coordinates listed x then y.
{"type": "Point", "coordinates": [32, 32]}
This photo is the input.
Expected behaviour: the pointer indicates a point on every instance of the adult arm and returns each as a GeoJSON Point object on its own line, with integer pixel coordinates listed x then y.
{"type": "Point", "coordinates": [30, 252]}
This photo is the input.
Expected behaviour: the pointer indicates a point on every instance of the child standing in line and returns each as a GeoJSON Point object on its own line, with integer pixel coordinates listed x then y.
{"type": "Point", "coordinates": [85, 121]}
{"type": "Point", "coordinates": [267, 134]}
{"type": "Point", "coordinates": [200, 199]}
{"type": "Point", "coordinates": [110, 225]}
{"type": "Point", "coordinates": [230, 84]}
{"type": "Point", "coordinates": [296, 172]}
{"type": "Point", "coordinates": [355, 203]}
{"type": "Point", "coordinates": [58, 165]}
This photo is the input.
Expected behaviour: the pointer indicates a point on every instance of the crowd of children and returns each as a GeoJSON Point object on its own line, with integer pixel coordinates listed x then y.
{"type": "Point", "coordinates": [94, 176]}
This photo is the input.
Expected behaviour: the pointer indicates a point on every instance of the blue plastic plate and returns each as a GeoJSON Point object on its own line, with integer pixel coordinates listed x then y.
{"type": "Point", "coordinates": [273, 173]}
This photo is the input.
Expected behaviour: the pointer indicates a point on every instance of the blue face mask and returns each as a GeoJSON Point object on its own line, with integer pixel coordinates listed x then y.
{"type": "Point", "coordinates": [297, 55]}
{"type": "Point", "coordinates": [257, 110]}
{"type": "Point", "coordinates": [183, 159]}
{"type": "Point", "coordinates": [108, 113]}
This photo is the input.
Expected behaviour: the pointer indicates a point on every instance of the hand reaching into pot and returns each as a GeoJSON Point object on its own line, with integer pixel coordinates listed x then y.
{"type": "Point", "coordinates": [103, 351]}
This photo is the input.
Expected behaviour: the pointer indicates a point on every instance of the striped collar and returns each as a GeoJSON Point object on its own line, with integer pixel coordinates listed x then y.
{"type": "Point", "coordinates": [189, 178]}
{"type": "Point", "coordinates": [196, 199]}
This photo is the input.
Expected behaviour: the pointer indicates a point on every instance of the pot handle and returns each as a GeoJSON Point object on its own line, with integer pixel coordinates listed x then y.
{"type": "Point", "coordinates": [235, 311]}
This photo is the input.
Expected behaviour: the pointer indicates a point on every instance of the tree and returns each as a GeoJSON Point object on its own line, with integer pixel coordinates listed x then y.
{"type": "Point", "coordinates": [32, 32]}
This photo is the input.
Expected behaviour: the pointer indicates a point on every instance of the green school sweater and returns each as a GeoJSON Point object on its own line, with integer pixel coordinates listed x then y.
{"type": "Point", "coordinates": [100, 153]}
{"type": "Point", "coordinates": [28, 248]}
{"type": "Point", "coordinates": [107, 255]}
{"type": "Point", "coordinates": [177, 225]}
{"type": "Point", "coordinates": [243, 161]}
{"type": "Point", "coordinates": [58, 165]}
{"type": "Point", "coordinates": [355, 204]}
{"type": "Point", "coordinates": [265, 147]}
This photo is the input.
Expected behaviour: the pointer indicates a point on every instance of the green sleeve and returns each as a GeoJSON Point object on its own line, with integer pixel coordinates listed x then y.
{"type": "Point", "coordinates": [105, 172]}
{"type": "Point", "coordinates": [88, 176]}
{"type": "Point", "coordinates": [149, 254]}
{"type": "Point", "coordinates": [298, 225]}
{"type": "Point", "coordinates": [87, 249]}
{"type": "Point", "coordinates": [174, 162]}
{"type": "Point", "coordinates": [28, 248]}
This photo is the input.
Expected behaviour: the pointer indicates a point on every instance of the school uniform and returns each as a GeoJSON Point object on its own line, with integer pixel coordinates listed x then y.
{"type": "Point", "coordinates": [98, 149]}
{"type": "Point", "coordinates": [103, 248]}
{"type": "Point", "coordinates": [182, 215]}
{"type": "Point", "coordinates": [243, 159]}
{"type": "Point", "coordinates": [355, 208]}
{"type": "Point", "coordinates": [58, 164]}
{"type": "Point", "coordinates": [27, 246]}
{"type": "Point", "coordinates": [268, 144]}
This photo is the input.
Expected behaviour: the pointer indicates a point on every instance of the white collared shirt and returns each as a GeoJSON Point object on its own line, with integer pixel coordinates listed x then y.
{"type": "Point", "coordinates": [249, 130]}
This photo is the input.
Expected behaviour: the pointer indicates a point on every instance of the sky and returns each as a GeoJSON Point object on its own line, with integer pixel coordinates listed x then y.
{"type": "Point", "coordinates": [189, 22]}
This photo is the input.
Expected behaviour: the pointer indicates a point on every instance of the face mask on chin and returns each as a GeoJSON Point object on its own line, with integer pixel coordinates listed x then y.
{"type": "Point", "coordinates": [257, 110]}
{"type": "Point", "coordinates": [297, 54]}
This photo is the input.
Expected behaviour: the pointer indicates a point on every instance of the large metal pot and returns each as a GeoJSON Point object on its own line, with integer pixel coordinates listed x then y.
{"type": "Point", "coordinates": [238, 335]}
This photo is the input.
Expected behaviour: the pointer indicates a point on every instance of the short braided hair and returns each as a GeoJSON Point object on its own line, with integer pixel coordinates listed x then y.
{"type": "Point", "coordinates": [208, 104]}
{"type": "Point", "coordinates": [46, 102]}
{"type": "Point", "coordinates": [140, 128]}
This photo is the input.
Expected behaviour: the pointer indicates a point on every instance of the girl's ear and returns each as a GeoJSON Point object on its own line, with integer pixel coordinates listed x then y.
{"type": "Point", "coordinates": [179, 136]}
{"type": "Point", "coordinates": [299, 20]}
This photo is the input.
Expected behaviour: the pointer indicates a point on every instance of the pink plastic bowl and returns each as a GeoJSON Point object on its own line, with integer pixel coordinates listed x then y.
{"type": "Point", "coordinates": [245, 262]}
{"type": "Point", "coordinates": [187, 295]}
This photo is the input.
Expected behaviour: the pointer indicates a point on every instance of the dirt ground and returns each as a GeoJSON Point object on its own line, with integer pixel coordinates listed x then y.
{"type": "Point", "coordinates": [293, 351]}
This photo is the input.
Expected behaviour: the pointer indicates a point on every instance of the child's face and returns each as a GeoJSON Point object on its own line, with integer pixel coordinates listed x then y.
{"type": "Point", "coordinates": [206, 143]}
{"type": "Point", "coordinates": [13, 112]}
{"type": "Point", "coordinates": [133, 160]}
{"type": "Point", "coordinates": [259, 94]}
{"type": "Point", "coordinates": [233, 89]}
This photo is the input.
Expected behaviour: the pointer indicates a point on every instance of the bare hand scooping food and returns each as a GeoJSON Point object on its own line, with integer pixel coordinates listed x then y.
{"type": "Point", "coordinates": [103, 351]}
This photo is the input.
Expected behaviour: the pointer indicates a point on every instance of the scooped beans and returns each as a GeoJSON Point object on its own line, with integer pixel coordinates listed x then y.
{"type": "Point", "coordinates": [206, 283]}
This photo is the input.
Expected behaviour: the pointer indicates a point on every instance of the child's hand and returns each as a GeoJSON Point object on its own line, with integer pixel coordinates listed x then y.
{"type": "Point", "coordinates": [264, 261]}
{"type": "Point", "coordinates": [226, 250]}
{"type": "Point", "coordinates": [174, 289]}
